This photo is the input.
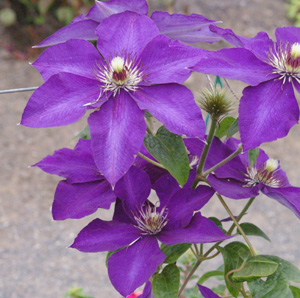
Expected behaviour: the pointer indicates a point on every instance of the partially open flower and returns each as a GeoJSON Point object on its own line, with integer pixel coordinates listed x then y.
{"type": "Point", "coordinates": [215, 101]}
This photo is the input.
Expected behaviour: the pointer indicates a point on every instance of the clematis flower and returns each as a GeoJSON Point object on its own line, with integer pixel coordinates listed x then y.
{"type": "Point", "coordinates": [206, 292]}
{"type": "Point", "coordinates": [190, 29]}
{"type": "Point", "coordinates": [238, 179]}
{"type": "Point", "coordinates": [137, 70]}
{"type": "Point", "coordinates": [268, 108]}
{"type": "Point", "coordinates": [138, 225]}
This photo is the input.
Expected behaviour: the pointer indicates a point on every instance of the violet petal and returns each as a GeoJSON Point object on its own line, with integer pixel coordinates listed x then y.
{"type": "Point", "coordinates": [287, 35]}
{"type": "Point", "coordinates": [206, 292]}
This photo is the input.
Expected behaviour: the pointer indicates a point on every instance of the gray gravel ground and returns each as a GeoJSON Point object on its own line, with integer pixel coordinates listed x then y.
{"type": "Point", "coordinates": [34, 260]}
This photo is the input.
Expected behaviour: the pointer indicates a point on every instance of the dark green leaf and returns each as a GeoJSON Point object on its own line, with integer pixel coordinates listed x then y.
{"type": "Point", "coordinates": [234, 128]}
{"type": "Point", "coordinates": [224, 126]}
{"type": "Point", "coordinates": [173, 252]}
{"type": "Point", "coordinates": [216, 221]}
{"type": "Point", "coordinates": [209, 274]}
{"type": "Point", "coordinates": [234, 255]}
{"type": "Point", "coordinates": [253, 154]}
{"type": "Point", "coordinates": [295, 291]}
{"type": "Point", "coordinates": [85, 134]}
{"type": "Point", "coordinates": [254, 268]}
{"type": "Point", "coordinates": [169, 150]}
{"type": "Point", "coordinates": [166, 284]}
{"type": "Point", "coordinates": [252, 230]}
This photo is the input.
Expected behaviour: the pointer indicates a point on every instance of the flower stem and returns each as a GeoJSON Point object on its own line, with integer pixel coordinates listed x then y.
{"type": "Point", "coordinates": [205, 151]}
{"type": "Point", "coordinates": [151, 161]}
{"type": "Point", "coordinates": [237, 224]}
{"type": "Point", "coordinates": [230, 157]}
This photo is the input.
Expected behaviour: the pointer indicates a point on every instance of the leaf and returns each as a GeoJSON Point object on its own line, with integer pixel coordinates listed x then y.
{"type": "Point", "coordinates": [234, 255]}
{"type": "Point", "coordinates": [166, 284]}
{"type": "Point", "coordinates": [253, 154]}
{"type": "Point", "coordinates": [216, 221]}
{"type": "Point", "coordinates": [169, 150]}
{"type": "Point", "coordinates": [234, 128]}
{"type": "Point", "coordinates": [173, 252]}
{"type": "Point", "coordinates": [295, 292]}
{"type": "Point", "coordinates": [255, 267]}
{"type": "Point", "coordinates": [252, 230]}
{"type": "Point", "coordinates": [209, 274]}
{"type": "Point", "coordinates": [224, 126]}
{"type": "Point", "coordinates": [85, 134]}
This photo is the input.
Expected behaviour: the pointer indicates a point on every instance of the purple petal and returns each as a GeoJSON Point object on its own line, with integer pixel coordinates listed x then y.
{"type": "Point", "coordinates": [287, 35]}
{"type": "Point", "coordinates": [103, 9]}
{"type": "Point", "coordinates": [133, 188]}
{"type": "Point", "coordinates": [75, 56]}
{"type": "Point", "coordinates": [296, 85]}
{"type": "Point", "coordinates": [170, 63]}
{"type": "Point", "coordinates": [200, 230]}
{"type": "Point", "coordinates": [121, 214]}
{"type": "Point", "coordinates": [184, 203]}
{"type": "Point", "coordinates": [131, 267]}
{"type": "Point", "coordinates": [60, 101]}
{"type": "Point", "coordinates": [117, 131]}
{"type": "Point", "coordinates": [259, 45]}
{"type": "Point", "coordinates": [129, 33]}
{"type": "Point", "coordinates": [206, 292]}
{"type": "Point", "coordinates": [237, 64]}
{"type": "Point", "coordinates": [190, 29]}
{"type": "Point", "coordinates": [76, 165]}
{"type": "Point", "coordinates": [267, 112]}
{"type": "Point", "coordinates": [232, 188]}
{"type": "Point", "coordinates": [79, 200]}
{"type": "Point", "coordinates": [101, 235]}
{"type": "Point", "coordinates": [287, 196]}
{"type": "Point", "coordinates": [174, 106]}
{"type": "Point", "coordinates": [147, 292]}
{"type": "Point", "coordinates": [82, 29]}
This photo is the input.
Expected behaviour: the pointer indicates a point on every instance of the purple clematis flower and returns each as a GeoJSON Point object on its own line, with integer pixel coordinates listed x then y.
{"type": "Point", "coordinates": [268, 109]}
{"type": "Point", "coordinates": [237, 179]}
{"type": "Point", "coordinates": [190, 29]}
{"type": "Point", "coordinates": [207, 293]}
{"type": "Point", "coordinates": [138, 225]}
{"type": "Point", "coordinates": [138, 70]}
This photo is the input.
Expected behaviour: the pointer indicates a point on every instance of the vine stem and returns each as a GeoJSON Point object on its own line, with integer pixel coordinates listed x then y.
{"type": "Point", "coordinates": [18, 90]}
{"type": "Point", "coordinates": [151, 161]}
{"type": "Point", "coordinates": [237, 224]}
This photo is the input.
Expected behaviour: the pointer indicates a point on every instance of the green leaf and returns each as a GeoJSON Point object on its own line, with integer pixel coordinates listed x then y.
{"type": "Point", "coordinates": [224, 126]}
{"type": "Point", "coordinates": [173, 252]}
{"type": "Point", "coordinates": [85, 134]}
{"type": "Point", "coordinates": [255, 267]}
{"type": "Point", "coordinates": [252, 230]}
{"type": "Point", "coordinates": [166, 284]}
{"type": "Point", "coordinates": [209, 274]}
{"type": "Point", "coordinates": [169, 150]}
{"type": "Point", "coordinates": [216, 221]}
{"type": "Point", "coordinates": [234, 128]}
{"type": "Point", "coordinates": [295, 291]}
{"type": "Point", "coordinates": [234, 255]}
{"type": "Point", "coordinates": [253, 154]}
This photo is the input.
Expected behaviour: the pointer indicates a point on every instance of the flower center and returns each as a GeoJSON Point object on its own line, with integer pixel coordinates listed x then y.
{"type": "Point", "coordinates": [266, 174]}
{"type": "Point", "coordinates": [285, 60]}
{"type": "Point", "coordinates": [120, 73]}
{"type": "Point", "coordinates": [150, 221]}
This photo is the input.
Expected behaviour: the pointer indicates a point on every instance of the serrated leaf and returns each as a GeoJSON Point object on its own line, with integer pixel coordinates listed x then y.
{"type": "Point", "coordinates": [84, 134]}
{"type": "Point", "coordinates": [166, 284]}
{"type": "Point", "coordinates": [254, 268]}
{"type": "Point", "coordinates": [234, 255]}
{"type": "Point", "coordinates": [252, 230]}
{"type": "Point", "coordinates": [173, 252]}
{"type": "Point", "coordinates": [253, 154]}
{"type": "Point", "coordinates": [234, 128]}
{"type": "Point", "coordinates": [208, 275]}
{"type": "Point", "coordinates": [169, 150]}
{"type": "Point", "coordinates": [224, 126]}
{"type": "Point", "coordinates": [295, 291]}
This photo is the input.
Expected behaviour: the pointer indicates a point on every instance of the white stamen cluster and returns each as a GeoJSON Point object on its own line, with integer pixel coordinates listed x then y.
{"type": "Point", "coordinates": [151, 222]}
{"type": "Point", "coordinates": [120, 73]}
{"type": "Point", "coordinates": [285, 60]}
{"type": "Point", "coordinates": [266, 174]}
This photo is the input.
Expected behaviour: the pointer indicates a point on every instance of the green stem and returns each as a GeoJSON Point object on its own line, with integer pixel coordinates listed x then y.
{"type": "Point", "coordinates": [237, 224]}
{"type": "Point", "coordinates": [230, 157]}
{"type": "Point", "coordinates": [151, 161]}
{"type": "Point", "coordinates": [205, 151]}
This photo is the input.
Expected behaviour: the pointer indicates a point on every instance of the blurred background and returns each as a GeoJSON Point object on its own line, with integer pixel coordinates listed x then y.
{"type": "Point", "coordinates": [34, 258]}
